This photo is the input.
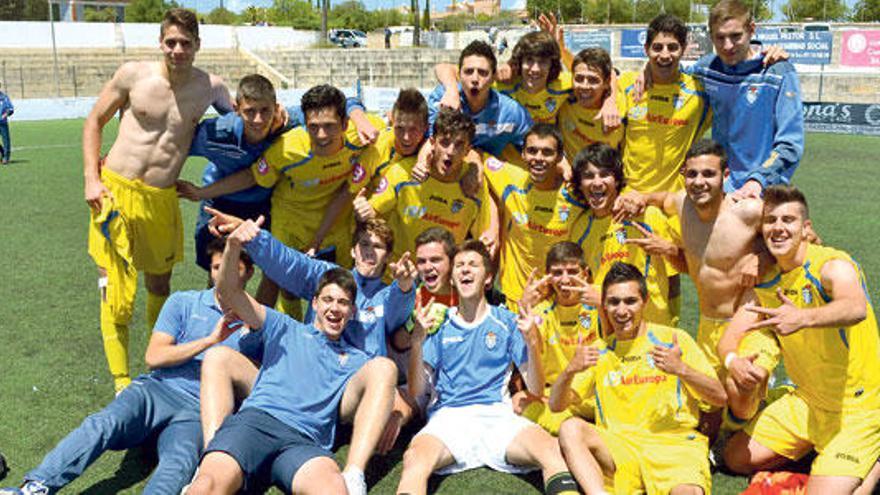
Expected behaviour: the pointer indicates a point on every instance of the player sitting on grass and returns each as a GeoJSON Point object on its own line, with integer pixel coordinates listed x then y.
{"type": "Point", "coordinates": [163, 404]}
{"type": "Point", "coordinates": [565, 323]}
{"type": "Point", "coordinates": [578, 116]}
{"type": "Point", "coordinates": [471, 424]}
{"type": "Point", "coordinates": [287, 423]}
{"type": "Point", "coordinates": [815, 300]}
{"type": "Point", "coordinates": [647, 380]}
{"type": "Point", "coordinates": [381, 310]}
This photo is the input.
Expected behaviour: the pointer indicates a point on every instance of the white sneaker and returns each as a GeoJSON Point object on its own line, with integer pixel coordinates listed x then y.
{"type": "Point", "coordinates": [29, 488]}
{"type": "Point", "coordinates": [354, 482]}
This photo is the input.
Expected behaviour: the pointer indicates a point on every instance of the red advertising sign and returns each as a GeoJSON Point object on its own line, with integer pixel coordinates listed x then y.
{"type": "Point", "coordinates": [860, 48]}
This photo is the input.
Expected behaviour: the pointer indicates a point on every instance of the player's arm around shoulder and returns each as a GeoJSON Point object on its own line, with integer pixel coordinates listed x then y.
{"type": "Point", "coordinates": [220, 97]}
{"type": "Point", "coordinates": [849, 304]}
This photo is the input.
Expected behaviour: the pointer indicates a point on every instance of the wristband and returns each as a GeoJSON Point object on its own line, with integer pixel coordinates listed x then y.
{"type": "Point", "coordinates": [727, 359]}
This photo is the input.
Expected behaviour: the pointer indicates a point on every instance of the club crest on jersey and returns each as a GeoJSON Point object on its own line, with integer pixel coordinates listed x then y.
{"type": "Point", "coordinates": [491, 340]}
{"type": "Point", "coordinates": [343, 358]}
{"type": "Point", "coordinates": [752, 94]}
{"type": "Point", "coordinates": [382, 186]}
{"type": "Point", "coordinates": [358, 173]}
{"type": "Point", "coordinates": [564, 213]}
{"type": "Point", "coordinates": [415, 211]}
{"type": "Point", "coordinates": [311, 182]}
{"type": "Point", "coordinates": [677, 102]}
{"type": "Point", "coordinates": [649, 359]}
{"type": "Point", "coordinates": [639, 112]}
{"type": "Point", "coordinates": [494, 164]}
{"type": "Point", "coordinates": [807, 294]}
{"type": "Point", "coordinates": [263, 166]}
{"type": "Point", "coordinates": [586, 320]}
{"type": "Point", "coordinates": [620, 235]}
{"type": "Point", "coordinates": [520, 218]}
{"type": "Point", "coordinates": [456, 206]}
{"type": "Point", "coordinates": [550, 105]}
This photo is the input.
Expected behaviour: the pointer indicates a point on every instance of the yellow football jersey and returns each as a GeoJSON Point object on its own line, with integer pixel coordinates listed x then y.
{"type": "Point", "coordinates": [304, 184]}
{"type": "Point", "coordinates": [563, 329]}
{"type": "Point", "coordinates": [660, 129]}
{"type": "Point", "coordinates": [412, 207]}
{"type": "Point", "coordinates": [632, 395]}
{"type": "Point", "coordinates": [532, 221]}
{"type": "Point", "coordinates": [604, 242]}
{"type": "Point", "coordinates": [543, 105]}
{"type": "Point", "coordinates": [376, 159]}
{"type": "Point", "coordinates": [580, 128]}
{"type": "Point", "coordinates": [833, 368]}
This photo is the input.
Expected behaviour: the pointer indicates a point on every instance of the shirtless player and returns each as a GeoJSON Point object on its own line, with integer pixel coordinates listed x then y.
{"type": "Point", "coordinates": [718, 237]}
{"type": "Point", "coordinates": [135, 223]}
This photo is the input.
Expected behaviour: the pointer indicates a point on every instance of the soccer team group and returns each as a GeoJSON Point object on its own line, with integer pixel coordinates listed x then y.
{"type": "Point", "coordinates": [500, 261]}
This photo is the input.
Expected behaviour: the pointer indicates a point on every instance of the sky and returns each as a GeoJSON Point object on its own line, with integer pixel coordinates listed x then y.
{"type": "Point", "coordinates": [437, 5]}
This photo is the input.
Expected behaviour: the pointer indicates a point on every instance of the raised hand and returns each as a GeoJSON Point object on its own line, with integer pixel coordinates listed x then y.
{"type": "Point", "coordinates": [451, 100]}
{"type": "Point", "coordinates": [404, 271]}
{"type": "Point", "coordinates": [652, 243]}
{"type": "Point", "coordinates": [585, 357]}
{"type": "Point", "coordinates": [536, 289]}
{"type": "Point", "coordinates": [628, 205]}
{"type": "Point", "coordinates": [589, 295]}
{"type": "Point", "coordinates": [668, 359]}
{"type": "Point", "coordinates": [247, 231]}
{"type": "Point", "coordinates": [750, 190]}
{"type": "Point", "coordinates": [422, 169]}
{"type": "Point", "coordinates": [527, 325]}
{"type": "Point", "coordinates": [784, 320]}
{"type": "Point", "coordinates": [221, 223]}
{"type": "Point", "coordinates": [362, 208]}
{"type": "Point", "coordinates": [424, 320]}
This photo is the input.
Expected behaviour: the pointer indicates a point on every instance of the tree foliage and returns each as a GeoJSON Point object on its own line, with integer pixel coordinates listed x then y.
{"type": "Point", "coordinates": [818, 10]}
{"type": "Point", "coordinates": [221, 15]}
{"type": "Point", "coordinates": [24, 10]}
{"type": "Point", "coordinates": [629, 11]}
{"type": "Point", "coordinates": [298, 14]}
{"type": "Point", "coordinates": [866, 11]}
{"type": "Point", "coordinates": [107, 14]}
{"type": "Point", "coordinates": [147, 10]}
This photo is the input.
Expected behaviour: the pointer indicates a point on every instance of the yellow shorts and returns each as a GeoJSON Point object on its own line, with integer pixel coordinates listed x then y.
{"type": "Point", "coordinates": [289, 228]}
{"type": "Point", "coordinates": [760, 342]}
{"type": "Point", "coordinates": [657, 463]}
{"type": "Point", "coordinates": [154, 224]}
{"type": "Point", "coordinates": [848, 442]}
{"type": "Point", "coordinates": [540, 414]}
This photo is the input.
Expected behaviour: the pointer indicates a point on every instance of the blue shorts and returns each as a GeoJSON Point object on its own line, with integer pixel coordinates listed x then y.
{"type": "Point", "coordinates": [260, 444]}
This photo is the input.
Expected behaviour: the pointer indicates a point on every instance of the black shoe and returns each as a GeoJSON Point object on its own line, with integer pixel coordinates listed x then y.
{"type": "Point", "coordinates": [4, 468]}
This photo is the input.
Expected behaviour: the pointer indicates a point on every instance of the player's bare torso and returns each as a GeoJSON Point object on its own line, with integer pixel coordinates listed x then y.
{"type": "Point", "coordinates": [716, 252]}
{"type": "Point", "coordinates": [158, 122]}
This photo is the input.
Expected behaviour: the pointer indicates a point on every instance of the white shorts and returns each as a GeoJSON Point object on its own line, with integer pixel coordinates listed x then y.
{"type": "Point", "coordinates": [477, 436]}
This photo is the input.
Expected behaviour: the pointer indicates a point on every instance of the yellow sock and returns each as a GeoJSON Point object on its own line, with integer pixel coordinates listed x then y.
{"type": "Point", "coordinates": [290, 306]}
{"type": "Point", "coordinates": [115, 347]}
{"type": "Point", "coordinates": [154, 305]}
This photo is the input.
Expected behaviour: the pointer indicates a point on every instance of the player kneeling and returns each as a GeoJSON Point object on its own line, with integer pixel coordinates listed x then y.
{"type": "Point", "coordinates": [470, 425]}
{"type": "Point", "coordinates": [648, 380]}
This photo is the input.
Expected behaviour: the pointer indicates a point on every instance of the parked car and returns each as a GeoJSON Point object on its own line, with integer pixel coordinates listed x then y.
{"type": "Point", "coordinates": [348, 38]}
